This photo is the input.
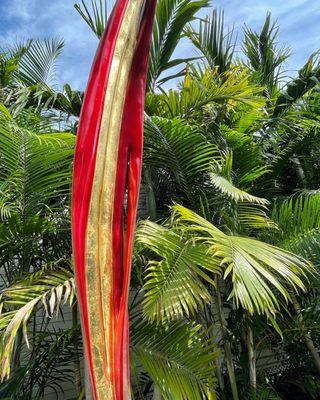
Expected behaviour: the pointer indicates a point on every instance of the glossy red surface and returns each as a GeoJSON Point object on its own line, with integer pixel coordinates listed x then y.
{"type": "Point", "coordinates": [128, 178]}
{"type": "Point", "coordinates": [85, 159]}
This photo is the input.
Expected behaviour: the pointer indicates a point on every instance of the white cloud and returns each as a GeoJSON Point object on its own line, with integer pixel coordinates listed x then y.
{"type": "Point", "coordinates": [45, 19]}
{"type": "Point", "coordinates": [20, 9]}
{"type": "Point", "coordinates": [298, 20]}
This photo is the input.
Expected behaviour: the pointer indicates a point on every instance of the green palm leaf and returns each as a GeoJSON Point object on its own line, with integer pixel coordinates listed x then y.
{"type": "Point", "coordinates": [221, 179]}
{"type": "Point", "coordinates": [203, 88]}
{"type": "Point", "coordinates": [256, 269]}
{"type": "Point", "coordinates": [213, 42]}
{"type": "Point", "coordinates": [38, 63]}
{"type": "Point", "coordinates": [265, 57]}
{"type": "Point", "coordinates": [175, 282]}
{"type": "Point", "coordinates": [176, 148]}
{"type": "Point", "coordinates": [298, 219]}
{"type": "Point", "coordinates": [308, 78]}
{"type": "Point", "coordinates": [97, 17]}
{"type": "Point", "coordinates": [171, 17]}
{"type": "Point", "coordinates": [35, 169]}
{"type": "Point", "coordinates": [253, 217]}
{"type": "Point", "coordinates": [226, 187]}
{"type": "Point", "coordinates": [178, 358]}
{"type": "Point", "coordinates": [49, 289]}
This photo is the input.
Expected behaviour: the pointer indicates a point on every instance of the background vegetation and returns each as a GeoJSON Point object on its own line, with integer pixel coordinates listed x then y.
{"type": "Point", "coordinates": [226, 267]}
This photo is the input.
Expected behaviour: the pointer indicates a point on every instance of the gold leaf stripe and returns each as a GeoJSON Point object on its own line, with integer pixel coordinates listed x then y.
{"type": "Point", "coordinates": [99, 229]}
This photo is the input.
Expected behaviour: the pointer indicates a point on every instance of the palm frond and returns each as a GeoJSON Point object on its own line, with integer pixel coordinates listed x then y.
{"type": "Point", "coordinates": [265, 56]}
{"type": "Point", "coordinates": [257, 269]}
{"type": "Point", "coordinates": [49, 289]}
{"type": "Point", "coordinates": [308, 78]}
{"type": "Point", "coordinates": [247, 161]}
{"type": "Point", "coordinates": [174, 284]}
{"type": "Point", "coordinates": [38, 63]}
{"type": "Point", "coordinates": [178, 358]}
{"type": "Point", "coordinates": [41, 97]}
{"type": "Point", "coordinates": [171, 18]}
{"type": "Point", "coordinates": [179, 150]}
{"type": "Point", "coordinates": [220, 177]}
{"type": "Point", "coordinates": [226, 187]}
{"type": "Point", "coordinates": [252, 217]}
{"type": "Point", "coordinates": [299, 213]}
{"type": "Point", "coordinates": [8, 66]}
{"type": "Point", "coordinates": [298, 219]}
{"type": "Point", "coordinates": [34, 168]}
{"type": "Point", "coordinates": [204, 88]}
{"type": "Point", "coordinates": [97, 17]}
{"type": "Point", "coordinates": [216, 45]}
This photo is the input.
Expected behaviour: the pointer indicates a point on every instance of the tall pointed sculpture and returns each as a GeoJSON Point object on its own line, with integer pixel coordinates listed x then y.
{"type": "Point", "coordinates": [107, 169]}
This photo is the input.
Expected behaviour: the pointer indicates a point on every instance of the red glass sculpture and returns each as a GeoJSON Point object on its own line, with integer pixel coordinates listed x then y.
{"type": "Point", "coordinates": [107, 169]}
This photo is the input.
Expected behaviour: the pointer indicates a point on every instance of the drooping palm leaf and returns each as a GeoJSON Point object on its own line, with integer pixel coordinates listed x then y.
{"type": "Point", "coordinates": [49, 289]}
{"type": "Point", "coordinates": [256, 268]}
{"type": "Point", "coordinates": [226, 187]}
{"type": "Point", "coordinates": [59, 105]}
{"type": "Point", "coordinates": [221, 179]}
{"type": "Point", "coordinates": [178, 357]}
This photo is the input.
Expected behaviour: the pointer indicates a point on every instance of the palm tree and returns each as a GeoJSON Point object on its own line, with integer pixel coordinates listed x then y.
{"type": "Point", "coordinates": [255, 272]}
{"type": "Point", "coordinates": [35, 179]}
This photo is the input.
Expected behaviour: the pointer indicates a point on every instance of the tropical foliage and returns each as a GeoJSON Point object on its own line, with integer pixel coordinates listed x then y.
{"type": "Point", "coordinates": [225, 284]}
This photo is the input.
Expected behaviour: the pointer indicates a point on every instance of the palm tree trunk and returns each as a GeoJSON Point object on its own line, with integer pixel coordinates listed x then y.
{"type": "Point", "coordinates": [307, 339]}
{"type": "Point", "coordinates": [299, 170]}
{"type": "Point", "coordinates": [252, 359]}
{"type": "Point", "coordinates": [230, 366]}
{"type": "Point", "coordinates": [210, 326]}
{"type": "Point", "coordinates": [220, 377]}
{"type": "Point", "coordinates": [151, 199]}
{"type": "Point", "coordinates": [156, 393]}
{"type": "Point", "coordinates": [227, 346]}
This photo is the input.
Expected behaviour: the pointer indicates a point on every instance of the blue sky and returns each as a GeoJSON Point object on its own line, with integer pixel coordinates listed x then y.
{"type": "Point", "coordinates": [20, 19]}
